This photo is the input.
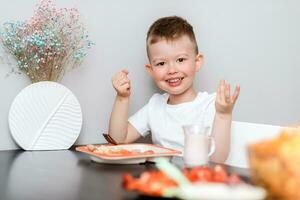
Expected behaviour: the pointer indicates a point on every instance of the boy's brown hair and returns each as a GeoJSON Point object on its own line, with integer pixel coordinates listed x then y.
{"type": "Point", "coordinates": [170, 28]}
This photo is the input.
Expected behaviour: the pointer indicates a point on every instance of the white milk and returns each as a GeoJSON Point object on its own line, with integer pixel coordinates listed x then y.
{"type": "Point", "coordinates": [197, 148]}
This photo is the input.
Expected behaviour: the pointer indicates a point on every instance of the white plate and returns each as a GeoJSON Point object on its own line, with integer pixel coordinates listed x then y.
{"type": "Point", "coordinates": [129, 159]}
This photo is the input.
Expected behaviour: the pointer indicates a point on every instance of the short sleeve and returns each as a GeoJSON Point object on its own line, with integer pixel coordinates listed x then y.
{"type": "Point", "coordinates": [139, 121]}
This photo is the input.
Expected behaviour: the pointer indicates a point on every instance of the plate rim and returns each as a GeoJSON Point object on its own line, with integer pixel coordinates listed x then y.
{"type": "Point", "coordinates": [171, 152]}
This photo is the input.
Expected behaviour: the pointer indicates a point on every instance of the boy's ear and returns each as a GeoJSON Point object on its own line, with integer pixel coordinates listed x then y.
{"type": "Point", "coordinates": [149, 69]}
{"type": "Point", "coordinates": [199, 61]}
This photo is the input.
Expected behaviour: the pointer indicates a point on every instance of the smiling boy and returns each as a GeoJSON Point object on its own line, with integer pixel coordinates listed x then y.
{"type": "Point", "coordinates": [174, 61]}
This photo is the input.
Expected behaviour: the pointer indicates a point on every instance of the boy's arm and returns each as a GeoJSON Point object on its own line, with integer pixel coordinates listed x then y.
{"type": "Point", "coordinates": [221, 134]}
{"type": "Point", "coordinates": [222, 121]}
{"type": "Point", "coordinates": [119, 128]}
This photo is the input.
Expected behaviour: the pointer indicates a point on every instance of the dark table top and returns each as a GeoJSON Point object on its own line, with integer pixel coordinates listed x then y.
{"type": "Point", "coordinates": [66, 175]}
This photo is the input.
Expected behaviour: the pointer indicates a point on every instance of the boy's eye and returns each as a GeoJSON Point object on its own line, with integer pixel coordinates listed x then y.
{"type": "Point", "coordinates": [160, 64]}
{"type": "Point", "coordinates": [181, 59]}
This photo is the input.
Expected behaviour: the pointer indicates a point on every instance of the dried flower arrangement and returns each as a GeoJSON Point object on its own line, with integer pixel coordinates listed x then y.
{"type": "Point", "coordinates": [49, 44]}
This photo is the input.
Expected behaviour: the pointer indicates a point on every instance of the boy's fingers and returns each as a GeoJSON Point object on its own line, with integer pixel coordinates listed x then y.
{"type": "Point", "coordinates": [227, 93]}
{"type": "Point", "coordinates": [236, 93]}
{"type": "Point", "coordinates": [123, 81]}
{"type": "Point", "coordinates": [125, 71]}
{"type": "Point", "coordinates": [222, 92]}
{"type": "Point", "coordinates": [121, 74]}
{"type": "Point", "coordinates": [114, 81]}
{"type": "Point", "coordinates": [117, 76]}
{"type": "Point", "coordinates": [120, 77]}
{"type": "Point", "coordinates": [124, 88]}
{"type": "Point", "coordinates": [114, 77]}
{"type": "Point", "coordinates": [219, 94]}
{"type": "Point", "coordinates": [117, 79]}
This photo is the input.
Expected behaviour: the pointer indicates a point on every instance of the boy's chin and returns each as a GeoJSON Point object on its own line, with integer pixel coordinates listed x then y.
{"type": "Point", "coordinates": [180, 91]}
{"type": "Point", "coordinates": [175, 92]}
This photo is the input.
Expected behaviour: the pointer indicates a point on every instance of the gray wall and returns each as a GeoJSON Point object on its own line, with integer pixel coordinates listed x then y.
{"type": "Point", "coordinates": [253, 43]}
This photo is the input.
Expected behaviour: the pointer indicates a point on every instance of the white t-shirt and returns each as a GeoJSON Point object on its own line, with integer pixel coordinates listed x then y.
{"type": "Point", "coordinates": [165, 121]}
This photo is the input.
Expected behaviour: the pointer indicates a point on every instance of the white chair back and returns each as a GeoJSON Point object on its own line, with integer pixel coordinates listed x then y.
{"type": "Point", "coordinates": [243, 134]}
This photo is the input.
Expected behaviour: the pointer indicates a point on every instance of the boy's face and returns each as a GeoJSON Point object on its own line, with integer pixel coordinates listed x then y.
{"type": "Point", "coordinates": [173, 64]}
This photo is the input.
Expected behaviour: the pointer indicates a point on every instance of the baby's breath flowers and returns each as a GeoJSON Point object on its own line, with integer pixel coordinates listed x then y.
{"type": "Point", "coordinates": [52, 42]}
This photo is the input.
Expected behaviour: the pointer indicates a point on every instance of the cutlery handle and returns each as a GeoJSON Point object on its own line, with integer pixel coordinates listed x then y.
{"type": "Point", "coordinates": [109, 139]}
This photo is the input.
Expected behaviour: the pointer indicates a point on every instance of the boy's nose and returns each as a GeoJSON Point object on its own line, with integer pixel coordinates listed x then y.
{"type": "Point", "coordinates": [172, 68]}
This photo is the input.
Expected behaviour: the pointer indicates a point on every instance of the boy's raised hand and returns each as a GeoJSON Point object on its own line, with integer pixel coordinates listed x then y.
{"type": "Point", "coordinates": [225, 102]}
{"type": "Point", "coordinates": [121, 83]}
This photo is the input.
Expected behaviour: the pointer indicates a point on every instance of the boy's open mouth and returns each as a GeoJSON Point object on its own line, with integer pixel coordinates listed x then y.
{"type": "Point", "coordinates": [175, 81]}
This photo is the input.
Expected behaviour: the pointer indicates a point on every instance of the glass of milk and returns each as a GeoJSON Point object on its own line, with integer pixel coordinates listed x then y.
{"type": "Point", "coordinates": [198, 145]}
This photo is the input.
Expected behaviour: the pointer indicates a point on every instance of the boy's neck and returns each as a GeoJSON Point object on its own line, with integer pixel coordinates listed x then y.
{"type": "Point", "coordinates": [187, 96]}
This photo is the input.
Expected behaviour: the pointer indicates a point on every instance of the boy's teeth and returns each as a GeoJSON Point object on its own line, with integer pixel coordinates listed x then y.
{"type": "Point", "coordinates": [174, 80]}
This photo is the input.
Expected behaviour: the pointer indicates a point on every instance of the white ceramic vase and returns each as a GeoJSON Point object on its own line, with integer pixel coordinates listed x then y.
{"type": "Point", "coordinates": [45, 116]}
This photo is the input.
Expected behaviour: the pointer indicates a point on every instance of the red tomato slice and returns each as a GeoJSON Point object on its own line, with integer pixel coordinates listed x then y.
{"type": "Point", "coordinates": [220, 174]}
{"type": "Point", "coordinates": [150, 183]}
{"type": "Point", "coordinates": [200, 174]}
